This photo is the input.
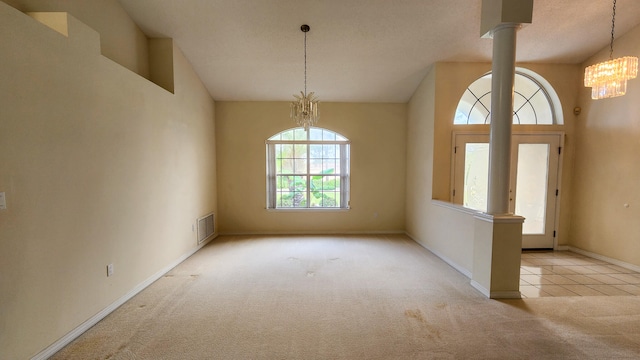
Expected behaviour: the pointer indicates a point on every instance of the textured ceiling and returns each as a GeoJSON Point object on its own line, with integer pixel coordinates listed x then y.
{"type": "Point", "coordinates": [359, 50]}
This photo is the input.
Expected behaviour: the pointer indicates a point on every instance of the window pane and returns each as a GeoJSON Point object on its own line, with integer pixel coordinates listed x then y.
{"type": "Point", "coordinates": [329, 166]}
{"type": "Point", "coordinates": [526, 116]}
{"type": "Point", "coordinates": [315, 134]}
{"type": "Point", "coordinates": [543, 111]}
{"type": "Point", "coordinates": [476, 176]}
{"type": "Point", "coordinates": [299, 134]}
{"type": "Point", "coordinates": [481, 110]}
{"type": "Point", "coordinates": [306, 174]}
{"type": "Point", "coordinates": [532, 102]}
{"type": "Point", "coordinates": [284, 150]}
{"type": "Point", "coordinates": [329, 151]}
{"type": "Point", "coordinates": [328, 135]}
{"type": "Point", "coordinates": [330, 199]}
{"type": "Point", "coordinates": [300, 151]}
{"type": "Point", "coordinates": [287, 135]}
{"type": "Point", "coordinates": [481, 86]}
{"type": "Point", "coordinates": [316, 166]}
{"type": "Point", "coordinates": [286, 166]}
{"type": "Point", "coordinates": [315, 151]}
{"type": "Point", "coordinates": [531, 186]}
{"type": "Point", "coordinates": [525, 86]}
{"type": "Point", "coordinates": [331, 183]}
{"type": "Point", "coordinates": [300, 166]}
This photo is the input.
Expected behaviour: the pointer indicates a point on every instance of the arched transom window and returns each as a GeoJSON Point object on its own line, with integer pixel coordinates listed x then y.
{"type": "Point", "coordinates": [534, 101]}
{"type": "Point", "coordinates": [307, 169]}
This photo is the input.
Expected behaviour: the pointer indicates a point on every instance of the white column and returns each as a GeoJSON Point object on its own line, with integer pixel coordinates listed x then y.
{"type": "Point", "coordinates": [502, 79]}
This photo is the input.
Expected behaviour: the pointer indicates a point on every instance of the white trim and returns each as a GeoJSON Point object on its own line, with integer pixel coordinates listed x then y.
{"type": "Point", "coordinates": [476, 285]}
{"type": "Point", "coordinates": [556, 225]}
{"type": "Point", "coordinates": [313, 232]}
{"type": "Point", "coordinates": [73, 334]}
{"type": "Point", "coordinates": [500, 219]}
{"type": "Point", "coordinates": [455, 207]}
{"type": "Point", "coordinates": [496, 294]}
{"type": "Point", "coordinates": [620, 263]}
{"type": "Point", "coordinates": [562, 248]}
{"type": "Point", "coordinates": [506, 295]}
{"type": "Point", "coordinates": [308, 209]}
{"type": "Point", "coordinates": [442, 257]}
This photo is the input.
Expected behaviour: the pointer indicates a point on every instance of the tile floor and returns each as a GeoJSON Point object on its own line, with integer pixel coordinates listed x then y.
{"type": "Point", "coordinates": [565, 273]}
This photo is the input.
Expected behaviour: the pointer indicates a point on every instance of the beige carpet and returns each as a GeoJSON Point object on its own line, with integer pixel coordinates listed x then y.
{"type": "Point", "coordinates": [348, 297]}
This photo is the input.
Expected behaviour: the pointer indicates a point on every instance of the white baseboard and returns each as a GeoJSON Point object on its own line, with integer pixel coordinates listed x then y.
{"type": "Point", "coordinates": [73, 334]}
{"type": "Point", "coordinates": [276, 233]}
{"type": "Point", "coordinates": [444, 258]}
{"type": "Point", "coordinates": [481, 288]}
{"type": "Point", "coordinates": [562, 248]}
{"type": "Point", "coordinates": [506, 295]}
{"type": "Point", "coordinates": [605, 258]}
{"type": "Point", "coordinates": [496, 294]}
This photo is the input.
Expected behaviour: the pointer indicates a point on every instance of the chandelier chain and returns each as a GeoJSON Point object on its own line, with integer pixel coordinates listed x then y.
{"type": "Point", "coordinates": [613, 27]}
{"type": "Point", "coordinates": [305, 63]}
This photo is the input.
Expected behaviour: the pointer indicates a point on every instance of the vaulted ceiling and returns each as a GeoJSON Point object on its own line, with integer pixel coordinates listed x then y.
{"type": "Point", "coordinates": [360, 50]}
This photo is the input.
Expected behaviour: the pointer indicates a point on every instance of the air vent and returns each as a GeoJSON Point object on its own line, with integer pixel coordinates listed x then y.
{"type": "Point", "coordinates": [205, 228]}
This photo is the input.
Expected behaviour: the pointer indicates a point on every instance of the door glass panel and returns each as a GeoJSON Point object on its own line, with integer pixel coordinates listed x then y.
{"type": "Point", "coordinates": [476, 176]}
{"type": "Point", "coordinates": [531, 186]}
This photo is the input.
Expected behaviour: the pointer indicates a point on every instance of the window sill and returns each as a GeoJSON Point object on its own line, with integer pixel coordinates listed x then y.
{"type": "Point", "coordinates": [309, 209]}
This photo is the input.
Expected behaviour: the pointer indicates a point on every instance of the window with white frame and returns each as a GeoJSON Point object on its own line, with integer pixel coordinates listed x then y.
{"type": "Point", "coordinates": [534, 101]}
{"type": "Point", "coordinates": [307, 170]}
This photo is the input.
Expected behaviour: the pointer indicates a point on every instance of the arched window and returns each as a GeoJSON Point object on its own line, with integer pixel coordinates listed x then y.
{"type": "Point", "coordinates": [534, 101]}
{"type": "Point", "coordinates": [307, 169]}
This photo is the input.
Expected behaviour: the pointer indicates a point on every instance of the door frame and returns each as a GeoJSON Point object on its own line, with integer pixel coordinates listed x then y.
{"type": "Point", "coordinates": [485, 134]}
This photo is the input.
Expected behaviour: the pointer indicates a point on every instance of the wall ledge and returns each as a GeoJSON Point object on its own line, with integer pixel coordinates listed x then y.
{"type": "Point", "coordinates": [455, 207]}
{"type": "Point", "coordinates": [499, 219]}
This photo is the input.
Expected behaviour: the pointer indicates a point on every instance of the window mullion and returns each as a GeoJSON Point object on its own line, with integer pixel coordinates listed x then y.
{"type": "Point", "coordinates": [271, 177]}
{"type": "Point", "coordinates": [308, 175]}
{"type": "Point", "coordinates": [274, 173]}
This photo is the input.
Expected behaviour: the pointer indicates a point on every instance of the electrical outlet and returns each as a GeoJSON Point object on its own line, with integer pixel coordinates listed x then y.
{"type": "Point", "coordinates": [109, 270]}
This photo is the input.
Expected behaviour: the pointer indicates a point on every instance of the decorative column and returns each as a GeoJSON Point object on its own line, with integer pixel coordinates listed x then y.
{"type": "Point", "coordinates": [498, 234]}
{"type": "Point", "coordinates": [502, 78]}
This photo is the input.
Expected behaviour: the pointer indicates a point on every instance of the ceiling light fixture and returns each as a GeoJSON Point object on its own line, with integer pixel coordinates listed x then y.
{"type": "Point", "coordinates": [609, 79]}
{"type": "Point", "coordinates": [304, 110]}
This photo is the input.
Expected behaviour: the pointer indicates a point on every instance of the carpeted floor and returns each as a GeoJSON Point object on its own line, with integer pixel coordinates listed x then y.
{"type": "Point", "coordinates": [348, 297]}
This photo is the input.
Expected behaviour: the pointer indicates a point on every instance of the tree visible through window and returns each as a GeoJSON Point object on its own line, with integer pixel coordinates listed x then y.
{"type": "Point", "coordinates": [307, 169]}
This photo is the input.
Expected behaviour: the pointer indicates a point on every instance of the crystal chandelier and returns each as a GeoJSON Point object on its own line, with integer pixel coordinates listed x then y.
{"type": "Point", "coordinates": [609, 79]}
{"type": "Point", "coordinates": [304, 110]}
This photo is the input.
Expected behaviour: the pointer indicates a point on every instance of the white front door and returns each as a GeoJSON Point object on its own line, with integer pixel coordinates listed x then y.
{"type": "Point", "coordinates": [534, 191]}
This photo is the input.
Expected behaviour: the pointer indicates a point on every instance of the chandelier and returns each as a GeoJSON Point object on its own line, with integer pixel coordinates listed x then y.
{"type": "Point", "coordinates": [304, 110]}
{"type": "Point", "coordinates": [609, 79]}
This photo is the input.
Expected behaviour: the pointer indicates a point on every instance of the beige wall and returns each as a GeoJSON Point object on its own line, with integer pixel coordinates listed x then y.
{"type": "Point", "coordinates": [452, 80]}
{"type": "Point", "coordinates": [448, 231]}
{"type": "Point", "coordinates": [377, 135]}
{"type": "Point", "coordinates": [606, 170]}
{"type": "Point", "coordinates": [99, 166]}
{"type": "Point", "coordinates": [120, 38]}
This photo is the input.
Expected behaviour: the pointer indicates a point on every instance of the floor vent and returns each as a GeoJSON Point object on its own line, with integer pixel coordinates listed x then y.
{"type": "Point", "coordinates": [205, 227]}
